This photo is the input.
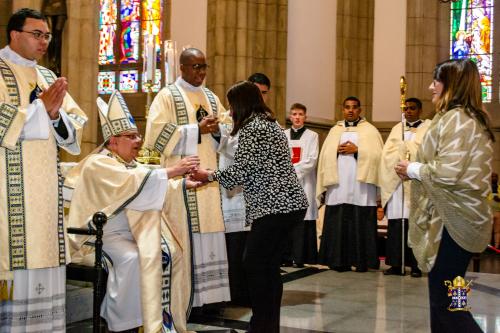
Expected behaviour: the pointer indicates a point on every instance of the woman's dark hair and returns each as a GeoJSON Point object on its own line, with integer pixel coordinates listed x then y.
{"type": "Point", "coordinates": [245, 101]}
{"type": "Point", "coordinates": [462, 87]}
{"type": "Point", "coordinates": [17, 20]}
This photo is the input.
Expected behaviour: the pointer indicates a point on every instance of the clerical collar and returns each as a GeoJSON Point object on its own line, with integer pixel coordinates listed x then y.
{"type": "Point", "coordinates": [187, 86]}
{"type": "Point", "coordinates": [12, 56]}
{"type": "Point", "coordinates": [352, 123]}
{"type": "Point", "coordinates": [414, 124]}
{"type": "Point", "coordinates": [295, 134]}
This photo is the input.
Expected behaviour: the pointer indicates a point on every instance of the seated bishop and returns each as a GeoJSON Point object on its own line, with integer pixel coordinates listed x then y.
{"type": "Point", "coordinates": [132, 196]}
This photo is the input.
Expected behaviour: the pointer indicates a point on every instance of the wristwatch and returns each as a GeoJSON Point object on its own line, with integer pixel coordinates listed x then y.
{"type": "Point", "coordinates": [210, 176]}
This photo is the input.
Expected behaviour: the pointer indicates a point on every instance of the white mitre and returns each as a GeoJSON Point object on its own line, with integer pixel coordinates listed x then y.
{"type": "Point", "coordinates": [115, 116]}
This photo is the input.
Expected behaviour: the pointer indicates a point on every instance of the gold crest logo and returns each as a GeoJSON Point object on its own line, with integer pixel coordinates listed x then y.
{"type": "Point", "coordinates": [458, 291]}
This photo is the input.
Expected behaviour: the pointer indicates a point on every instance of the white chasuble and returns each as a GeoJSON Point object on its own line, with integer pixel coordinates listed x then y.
{"type": "Point", "coordinates": [172, 129]}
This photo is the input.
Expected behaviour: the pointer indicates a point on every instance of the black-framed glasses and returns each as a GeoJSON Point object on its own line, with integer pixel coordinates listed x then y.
{"type": "Point", "coordinates": [135, 136]}
{"type": "Point", "coordinates": [411, 107]}
{"type": "Point", "coordinates": [197, 67]}
{"type": "Point", "coordinates": [38, 35]}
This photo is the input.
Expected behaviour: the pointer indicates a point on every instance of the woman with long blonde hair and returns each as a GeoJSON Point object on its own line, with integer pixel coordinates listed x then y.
{"type": "Point", "coordinates": [450, 218]}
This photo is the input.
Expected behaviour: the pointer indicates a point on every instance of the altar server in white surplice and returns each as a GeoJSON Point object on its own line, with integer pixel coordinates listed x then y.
{"type": "Point", "coordinates": [37, 119]}
{"type": "Point", "coordinates": [132, 196]}
{"type": "Point", "coordinates": [304, 151]}
{"type": "Point", "coordinates": [391, 189]}
{"type": "Point", "coordinates": [183, 120]}
{"type": "Point", "coordinates": [348, 177]}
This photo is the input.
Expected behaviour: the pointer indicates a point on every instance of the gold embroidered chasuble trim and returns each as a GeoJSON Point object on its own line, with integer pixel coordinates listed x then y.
{"type": "Point", "coordinates": [34, 236]}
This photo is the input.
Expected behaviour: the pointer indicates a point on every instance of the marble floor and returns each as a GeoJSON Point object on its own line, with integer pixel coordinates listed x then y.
{"type": "Point", "coordinates": [319, 300]}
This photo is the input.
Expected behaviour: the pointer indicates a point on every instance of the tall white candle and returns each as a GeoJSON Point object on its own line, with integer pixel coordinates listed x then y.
{"type": "Point", "coordinates": [170, 61]}
{"type": "Point", "coordinates": [151, 58]}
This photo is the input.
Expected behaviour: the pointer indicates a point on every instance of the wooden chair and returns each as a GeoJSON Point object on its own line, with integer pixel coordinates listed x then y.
{"type": "Point", "coordinates": [96, 274]}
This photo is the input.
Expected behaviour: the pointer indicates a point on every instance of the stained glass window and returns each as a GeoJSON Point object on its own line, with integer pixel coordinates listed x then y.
{"type": "Point", "coordinates": [129, 38]}
{"type": "Point", "coordinates": [151, 23]}
{"type": "Point", "coordinates": [107, 31]}
{"type": "Point", "coordinates": [129, 81]}
{"type": "Point", "coordinates": [122, 27]}
{"type": "Point", "coordinates": [471, 36]}
{"type": "Point", "coordinates": [105, 82]}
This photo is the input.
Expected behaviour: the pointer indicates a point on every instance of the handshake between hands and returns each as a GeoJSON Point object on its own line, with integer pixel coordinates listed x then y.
{"type": "Point", "coordinates": [190, 166]}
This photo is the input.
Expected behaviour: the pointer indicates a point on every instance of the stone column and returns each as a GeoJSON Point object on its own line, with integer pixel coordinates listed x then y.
{"type": "Point", "coordinates": [33, 4]}
{"type": "Point", "coordinates": [427, 43]}
{"type": "Point", "coordinates": [354, 75]}
{"type": "Point", "coordinates": [79, 65]}
{"type": "Point", "coordinates": [5, 10]}
{"type": "Point", "coordinates": [247, 36]}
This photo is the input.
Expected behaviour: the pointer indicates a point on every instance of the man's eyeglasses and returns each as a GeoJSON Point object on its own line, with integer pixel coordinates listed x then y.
{"type": "Point", "coordinates": [197, 67]}
{"type": "Point", "coordinates": [412, 107]}
{"type": "Point", "coordinates": [136, 136]}
{"type": "Point", "coordinates": [38, 35]}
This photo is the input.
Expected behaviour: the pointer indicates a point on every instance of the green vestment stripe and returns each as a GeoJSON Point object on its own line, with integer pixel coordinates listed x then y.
{"type": "Point", "coordinates": [15, 182]}
{"type": "Point", "coordinates": [182, 119]}
{"type": "Point", "coordinates": [180, 105]}
{"type": "Point", "coordinates": [15, 207]}
{"type": "Point", "coordinates": [60, 213]}
{"type": "Point", "coordinates": [211, 99]}
{"type": "Point", "coordinates": [8, 111]}
{"type": "Point", "coordinates": [11, 83]}
{"type": "Point", "coordinates": [50, 79]}
{"type": "Point", "coordinates": [47, 74]}
{"type": "Point", "coordinates": [164, 137]}
{"type": "Point", "coordinates": [7, 115]}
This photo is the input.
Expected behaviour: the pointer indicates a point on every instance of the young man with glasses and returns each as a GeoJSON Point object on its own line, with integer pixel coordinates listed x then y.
{"type": "Point", "coordinates": [397, 212]}
{"type": "Point", "coordinates": [348, 179]}
{"type": "Point", "coordinates": [184, 120]}
{"type": "Point", "coordinates": [37, 119]}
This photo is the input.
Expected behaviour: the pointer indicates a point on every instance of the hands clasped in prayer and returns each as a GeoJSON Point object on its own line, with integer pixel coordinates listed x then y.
{"type": "Point", "coordinates": [53, 97]}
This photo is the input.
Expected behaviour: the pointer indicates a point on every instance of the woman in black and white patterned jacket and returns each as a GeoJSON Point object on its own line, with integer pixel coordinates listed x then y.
{"type": "Point", "coordinates": [274, 198]}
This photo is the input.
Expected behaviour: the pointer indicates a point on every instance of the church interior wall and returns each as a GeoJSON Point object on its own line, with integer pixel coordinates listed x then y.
{"type": "Point", "coordinates": [311, 51]}
{"type": "Point", "coordinates": [189, 23]}
{"type": "Point", "coordinates": [244, 37]}
{"type": "Point", "coordinates": [388, 59]}
{"type": "Point", "coordinates": [241, 37]}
